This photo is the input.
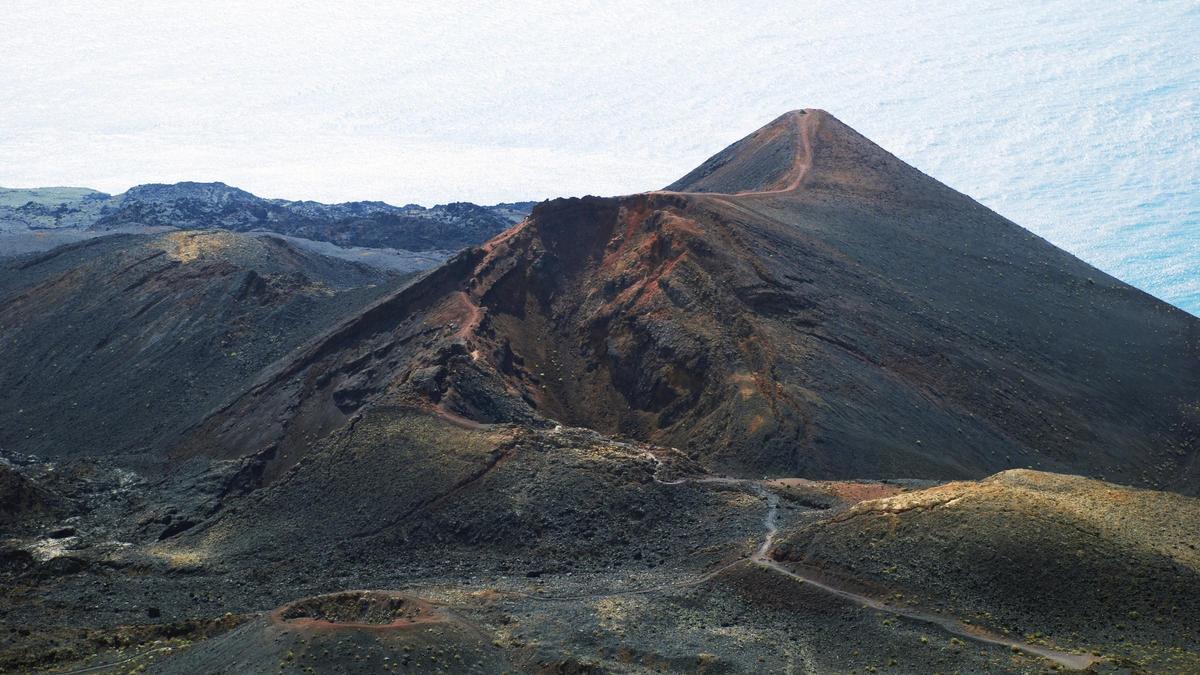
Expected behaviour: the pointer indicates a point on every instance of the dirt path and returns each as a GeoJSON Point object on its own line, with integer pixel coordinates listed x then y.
{"type": "Point", "coordinates": [801, 164]}
{"type": "Point", "coordinates": [950, 625]}
{"type": "Point", "coordinates": [761, 557]}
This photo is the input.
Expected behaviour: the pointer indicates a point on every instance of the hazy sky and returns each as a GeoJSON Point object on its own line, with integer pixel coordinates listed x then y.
{"type": "Point", "coordinates": [1076, 119]}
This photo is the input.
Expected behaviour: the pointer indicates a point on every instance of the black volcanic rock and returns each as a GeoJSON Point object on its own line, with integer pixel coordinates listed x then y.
{"type": "Point", "coordinates": [848, 316]}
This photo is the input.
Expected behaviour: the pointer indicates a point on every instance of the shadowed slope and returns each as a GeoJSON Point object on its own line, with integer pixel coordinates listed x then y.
{"type": "Point", "coordinates": [115, 345]}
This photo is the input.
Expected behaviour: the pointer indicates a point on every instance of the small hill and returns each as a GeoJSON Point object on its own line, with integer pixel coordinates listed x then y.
{"type": "Point", "coordinates": [402, 484]}
{"type": "Point", "coordinates": [1060, 559]}
{"type": "Point", "coordinates": [115, 345]}
{"type": "Point", "coordinates": [348, 632]}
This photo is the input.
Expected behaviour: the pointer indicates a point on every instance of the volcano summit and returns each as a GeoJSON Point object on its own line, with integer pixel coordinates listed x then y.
{"type": "Point", "coordinates": [704, 428]}
{"type": "Point", "coordinates": [803, 303]}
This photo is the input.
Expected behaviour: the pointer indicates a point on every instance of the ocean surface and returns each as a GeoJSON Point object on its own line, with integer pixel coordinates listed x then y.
{"type": "Point", "coordinates": [1089, 134]}
{"type": "Point", "coordinates": [1078, 120]}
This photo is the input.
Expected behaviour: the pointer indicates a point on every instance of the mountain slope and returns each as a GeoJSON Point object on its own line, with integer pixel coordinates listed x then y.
{"type": "Point", "coordinates": [208, 205]}
{"type": "Point", "coordinates": [115, 345]}
{"type": "Point", "coordinates": [848, 316]}
{"type": "Point", "coordinates": [190, 205]}
{"type": "Point", "coordinates": [774, 158]}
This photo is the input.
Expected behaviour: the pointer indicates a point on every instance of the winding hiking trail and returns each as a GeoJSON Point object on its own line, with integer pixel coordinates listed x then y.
{"type": "Point", "coordinates": [762, 558]}
{"type": "Point", "coordinates": [804, 125]}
